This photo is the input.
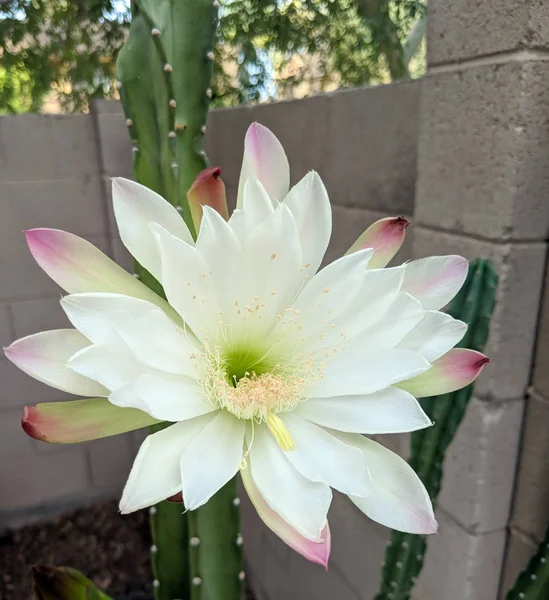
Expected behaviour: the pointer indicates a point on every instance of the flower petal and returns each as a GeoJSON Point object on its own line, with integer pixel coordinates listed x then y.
{"type": "Point", "coordinates": [310, 206]}
{"type": "Point", "coordinates": [388, 411]}
{"type": "Point", "coordinates": [386, 237]}
{"type": "Point", "coordinates": [435, 280]}
{"type": "Point", "coordinates": [188, 284]}
{"type": "Point", "coordinates": [434, 335]}
{"type": "Point", "coordinates": [135, 207]}
{"type": "Point", "coordinates": [265, 158]}
{"type": "Point", "coordinates": [452, 371]}
{"type": "Point", "coordinates": [207, 189]}
{"type": "Point", "coordinates": [398, 498]}
{"type": "Point", "coordinates": [78, 266]}
{"type": "Point", "coordinates": [156, 472]}
{"type": "Point", "coordinates": [165, 397]}
{"type": "Point", "coordinates": [303, 504]}
{"type": "Point", "coordinates": [212, 459]}
{"type": "Point", "coordinates": [148, 332]}
{"type": "Point", "coordinates": [81, 420]}
{"type": "Point", "coordinates": [321, 457]}
{"type": "Point", "coordinates": [112, 365]}
{"type": "Point", "coordinates": [350, 373]}
{"type": "Point", "coordinates": [45, 356]}
{"type": "Point", "coordinates": [317, 552]}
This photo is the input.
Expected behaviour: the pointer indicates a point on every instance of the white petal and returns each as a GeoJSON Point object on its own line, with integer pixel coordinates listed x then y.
{"type": "Point", "coordinates": [188, 283]}
{"type": "Point", "coordinates": [321, 457]}
{"type": "Point", "coordinates": [164, 397]}
{"type": "Point", "coordinates": [435, 280]}
{"type": "Point", "coordinates": [257, 205]}
{"type": "Point", "coordinates": [223, 253]}
{"type": "Point", "coordinates": [325, 298]}
{"type": "Point", "coordinates": [212, 459]}
{"type": "Point", "coordinates": [386, 411]}
{"type": "Point", "coordinates": [310, 206]}
{"type": "Point", "coordinates": [398, 499]}
{"type": "Point", "coordinates": [350, 373]}
{"type": "Point", "coordinates": [434, 335]}
{"type": "Point", "coordinates": [300, 502]}
{"type": "Point", "coordinates": [148, 332]}
{"type": "Point", "coordinates": [135, 207]}
{"type": "Point", "coordinates": [265, 159]}
{"type": "Point", "coordinates": [45, 356]}
{"type": "Point", "coordinates": [156, 472]}
{"type": "Point", "coordinates": [111, 364]}
{"type": "Point", "coordinates": [404, 313]}
{"type": "Point", "coordinates": [273, 253]}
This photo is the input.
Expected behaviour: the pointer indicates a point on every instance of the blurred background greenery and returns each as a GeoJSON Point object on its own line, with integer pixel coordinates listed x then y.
{"type": "Point", "coordinates": [56, 55]}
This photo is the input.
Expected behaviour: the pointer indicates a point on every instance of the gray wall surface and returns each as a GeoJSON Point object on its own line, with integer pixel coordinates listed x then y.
{"type": "Point", "coordinates": [465, 152]}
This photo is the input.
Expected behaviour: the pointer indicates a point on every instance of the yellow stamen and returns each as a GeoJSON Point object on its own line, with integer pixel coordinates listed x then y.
{"type": "Point", "coordinates": [280, 432]}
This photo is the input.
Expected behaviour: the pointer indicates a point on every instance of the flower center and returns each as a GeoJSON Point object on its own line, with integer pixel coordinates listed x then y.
{"type": "Point", "coordinates": [255, 386]}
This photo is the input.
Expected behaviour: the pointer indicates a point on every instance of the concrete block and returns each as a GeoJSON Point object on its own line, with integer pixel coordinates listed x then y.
{"type": "Point", "coordinates": [465, 29]}
{"type": "Point", "coordinates": [110, 461]}
{"type": "Point", "coordinates": [23, 279]}
{"type": "Point", "coordinates": [348, 223]}
{"type": "Point", "coordinates": [460, 565]}
{"type": "Point", "coordinates": [532, 485]}
{"type": "Point", "coordinates": [100, 106]}
{"type": "Point", "coordinates": [6, 329]}
{"type": "Point", "coordinates": [484, 151]}
{"type": "Point", "coordinates": [15, 442]}
{"type": "Point", "coordinates": [19, 389]}
{"type": "Point", "coordinates": [369, 158]}
{"type": "Point", "coordinates": [358, 547]}
{"type": "Point", "coordinates": [540, 379]}
{"type": "Point", "coordinates": [74, 147]}
{"type": "Point", "coordinates": [513, 328]}
{"type": "Point", "coordinates": [25, 148]}
{"type": "Point", "coordinates": [520, 549]}
{"type": "Point", "coordinates": [74, 205]}
{"type": "Point", "coordinates": [115, 144]}
{"type": "Point", "coordinates": [480, 465]}
{"type": "Point", "coordinates": [33, 316]}
{"type": "Point", "coordinates": [38, 479]}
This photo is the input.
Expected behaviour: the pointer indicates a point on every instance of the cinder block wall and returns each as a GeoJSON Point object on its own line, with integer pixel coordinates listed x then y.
{"type": "Point", "coordinates": [482, 190]}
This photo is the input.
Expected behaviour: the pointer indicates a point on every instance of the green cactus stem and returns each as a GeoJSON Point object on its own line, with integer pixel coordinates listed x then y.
{"type": "Point", "coordinates": [405, 553]}
{"type": "Point", "coordinates": [533, 582]}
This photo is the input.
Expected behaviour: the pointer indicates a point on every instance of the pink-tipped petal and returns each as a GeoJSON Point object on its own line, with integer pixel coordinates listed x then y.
{"type": "Point", "coordinates": [435, 280]}
{"type": "Point", "coordinates": [385, 237]}
{"type": "Point", "coordinates": [78, 266]}
{"type": "Point", "coordinates": [81, 420]}
{"type": "Point", "coordinates": [452, 371]}
{"type": "Point", "coordinates": [265, 158]}
{"type": "Point", "coordinates": [207, 189]}
{"type": "Point", "coordinates": [45, 357]}
{"type": "Point", "coordinates": [317, 552]}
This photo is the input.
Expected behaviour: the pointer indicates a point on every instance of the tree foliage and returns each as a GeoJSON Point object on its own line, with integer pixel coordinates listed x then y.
{"type": "Point", "coordinates": [265, 48]}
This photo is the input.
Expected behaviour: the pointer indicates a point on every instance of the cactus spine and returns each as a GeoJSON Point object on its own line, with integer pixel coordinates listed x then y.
{"type": "Point", "coordinates": [404, 555]}
{"type": "Point", "coordinates": [164, 72]}
{"type": "Point", "coordinates": [533, 582]}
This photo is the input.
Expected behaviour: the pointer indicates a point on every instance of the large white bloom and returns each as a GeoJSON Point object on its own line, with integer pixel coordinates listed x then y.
{"type": "Point", "coordinates": [264, 364]}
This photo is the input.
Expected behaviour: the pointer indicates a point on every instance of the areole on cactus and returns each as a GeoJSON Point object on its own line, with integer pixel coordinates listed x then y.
{"type": "Point", "coordinates": [261, 362]}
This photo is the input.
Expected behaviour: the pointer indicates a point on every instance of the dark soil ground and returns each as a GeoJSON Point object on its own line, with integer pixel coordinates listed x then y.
{"type": "Point", "coordinates": [111, 549]}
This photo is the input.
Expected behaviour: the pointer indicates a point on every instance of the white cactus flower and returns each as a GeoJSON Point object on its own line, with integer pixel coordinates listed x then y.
{"type": "Point", "coordinates": [260, 362]}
